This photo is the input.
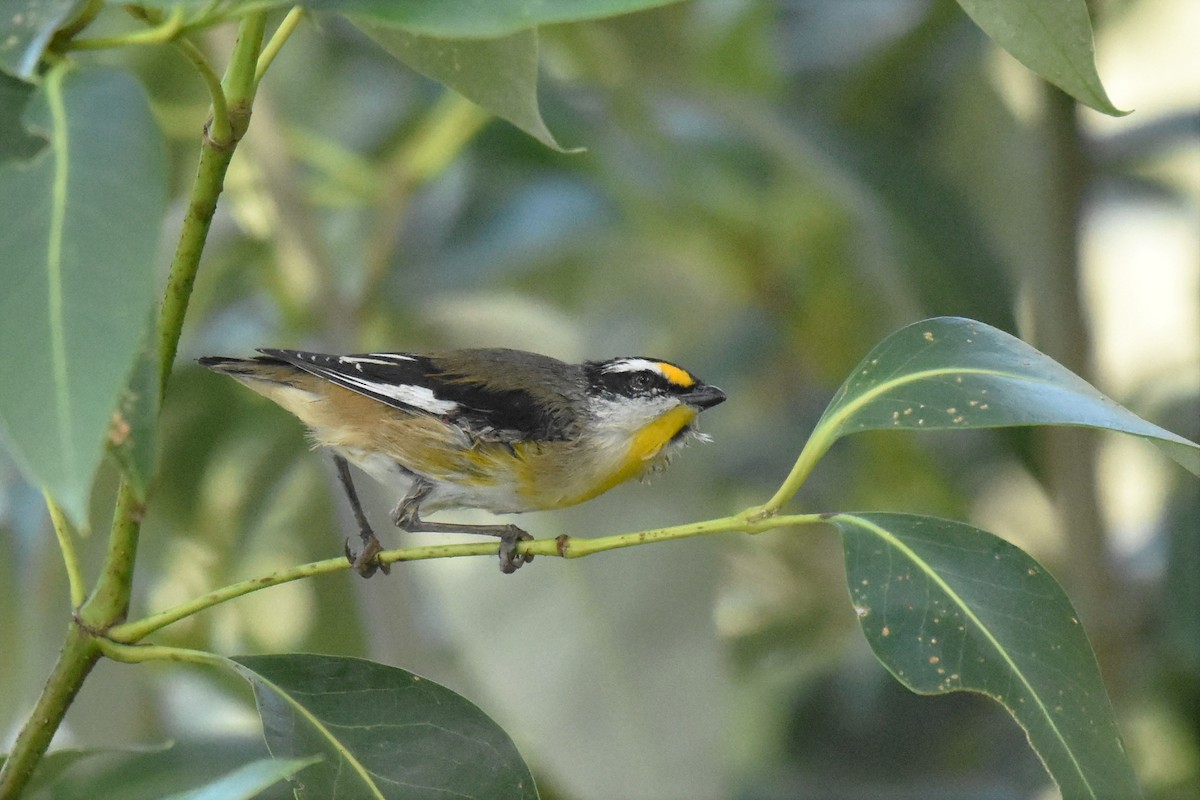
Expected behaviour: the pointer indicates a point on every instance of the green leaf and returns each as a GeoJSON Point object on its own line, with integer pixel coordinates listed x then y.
{"type": "Point", "coordinates": [1053, 38]}
{"type": "Point", "coordinates": [383, 732]}
{"type": "Point", "coordinates": [77, 254]}
{"type": "Point", "coordinates": [131, 434]}
{"type": "Point", "coordinates": [16, 143]}
{"type": "Point", "coordinates": [146, 773]}
{"type": "Point", "coordinates": [498, 74]}
{"type": "Point", "coordinates": [467, 19]}
{"type": "Point", "coordinates": [950, 372]}
{"type": "Point", "coordinates": [248, 781]}
{"type": "Point", "coordinates": [948, 608]}
{"type": "Point", "coordinates": [25, 29]}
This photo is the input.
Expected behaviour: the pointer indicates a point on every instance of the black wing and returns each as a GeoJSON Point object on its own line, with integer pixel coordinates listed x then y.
{"type": "Point", "coordinates": [437, 385]}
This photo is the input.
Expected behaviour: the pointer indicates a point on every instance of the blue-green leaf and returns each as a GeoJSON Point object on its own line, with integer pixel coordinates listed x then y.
{"type": "Point", "coordinates": [77, 253]}
{"type": "Point", "coordinates": [25, 29]}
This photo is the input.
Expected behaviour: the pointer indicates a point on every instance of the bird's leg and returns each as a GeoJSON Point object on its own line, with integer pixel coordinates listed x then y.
{"type": "Point", "coordinates": [407, 517]}
{"type": "Point", "coordinates": [366, 562]}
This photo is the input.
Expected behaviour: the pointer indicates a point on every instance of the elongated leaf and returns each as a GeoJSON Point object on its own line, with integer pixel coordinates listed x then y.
{"type": "Point", "coordinates": [476, 19]}
{"type": "Point", "coordinates": [144, 773]}
{"type": "Point", "coordinates": [246, 782]}
{"type": "Point", "coordinates": [77, 252]}
{"type": "Point", "coordinates": [950, 372]}
{"type": "Point", "coordinates": [498, 74]}
{"type": "Point", "coordinates": [483, 18]}
{"type": "Point", "coordinates": [383, 732]}
{"type": "Point", "coordinates": [25, 29]}
{"type": "Point", "coordinates": [1051, 37]}
{"type": "Point", "coordinates": [948, 608]}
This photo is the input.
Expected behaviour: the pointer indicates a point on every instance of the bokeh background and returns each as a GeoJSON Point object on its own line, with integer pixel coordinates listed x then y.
{"type": "Point", "coordinates": [768, 189]}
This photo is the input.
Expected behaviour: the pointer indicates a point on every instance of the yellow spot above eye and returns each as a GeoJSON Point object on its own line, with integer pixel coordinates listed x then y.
{"type": "Point", "coordinates": [675, 375]}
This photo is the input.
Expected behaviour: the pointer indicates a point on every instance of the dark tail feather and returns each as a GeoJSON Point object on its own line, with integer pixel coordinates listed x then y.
{"type": "Point", "coordinates": [239, 366]}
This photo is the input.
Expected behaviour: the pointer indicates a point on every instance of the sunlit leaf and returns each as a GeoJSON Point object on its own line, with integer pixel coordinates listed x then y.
{"type": "Point", "coordinates": [950, 372]}
{"type": "Point", "coordinates": [499, 74]}
{"type": "Point", "coordinates": [77, 252]}
{"type": "Point", "coordinates": [1054, 39]}
{"type": "Point", "coordinates": [947, 608]}
{"type": "Point", "coordinates": [248, 781]}
{"type": "Point", "coordinates": [383, 732]}
{"type": "Point", "coordinates": [25, 29]}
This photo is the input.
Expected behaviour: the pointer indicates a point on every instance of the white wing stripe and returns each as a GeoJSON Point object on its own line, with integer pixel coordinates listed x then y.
{"type": "Point", "coordinates": [420, 397]}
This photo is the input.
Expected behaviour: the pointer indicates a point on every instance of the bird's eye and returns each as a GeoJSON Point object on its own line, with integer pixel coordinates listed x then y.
{"type": "Point", "coordinates": [641, 381]}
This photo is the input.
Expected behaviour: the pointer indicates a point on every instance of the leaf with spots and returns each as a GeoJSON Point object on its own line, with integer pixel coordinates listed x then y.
{"type": "Point", "coordinates": [951, 372]}
{"type": "Point", "coordinates": [383, 732]}
{"type": "Point", "coordinates": [950, 608]}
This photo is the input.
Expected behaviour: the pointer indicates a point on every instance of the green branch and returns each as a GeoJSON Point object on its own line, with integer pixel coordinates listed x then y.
{"type": "Point", "coordinates": [276, 42]}
{"type": "Point", "coordinates": [562, 547]}
{"type": "Point", "coordinates": [66, 544]}
{"type": "Point", "coordinates": [162, 33]}
{"type": "Point", "coordinates": [109, 601]}
{"type": "Point", "coordinates": [78, 655]}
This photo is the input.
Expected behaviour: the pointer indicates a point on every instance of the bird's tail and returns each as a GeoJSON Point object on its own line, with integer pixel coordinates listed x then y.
{"type": "Point", "coordinates": [258, 367]}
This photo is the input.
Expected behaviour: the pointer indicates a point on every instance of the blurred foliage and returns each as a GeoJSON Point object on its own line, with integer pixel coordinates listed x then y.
{"type": "Point", "coordinates": [767, 191]}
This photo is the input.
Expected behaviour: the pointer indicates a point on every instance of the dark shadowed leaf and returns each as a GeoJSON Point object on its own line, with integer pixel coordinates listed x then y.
{"type": "Point", "coordinates": [77, 253]}
{"type": "Point", "coordinates": [151, 773]}
{"type": "Point", "coordinates": [498, 74]}
{"type": "Point", "coordinates": [950, 372]}
{"type": "Point", "coordinates": [25, 29]}
{"type": "Point", "coordinates": [383, 732]}
{"type": "Point", "coordinates": [1054, 39]}
{"type": "Point", "coordinates": [947, 608]}
{"type": "Point", "coordinates": [16, 143]}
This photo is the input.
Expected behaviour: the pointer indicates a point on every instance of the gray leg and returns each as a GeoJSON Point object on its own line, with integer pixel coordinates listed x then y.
{"type": "Point", "coordinates": [407, 517]}
{"type": "Point", "coordinates": [365, 563]}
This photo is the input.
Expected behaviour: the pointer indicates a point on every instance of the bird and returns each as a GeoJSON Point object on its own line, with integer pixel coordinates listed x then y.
{"type": "Point", "coordinates": [502, 430]}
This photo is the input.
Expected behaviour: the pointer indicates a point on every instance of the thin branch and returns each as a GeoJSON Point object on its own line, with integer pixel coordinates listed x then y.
{"type": "Point", "coordinates": [277, 40]}
{"type": "Point", "coordinates": [78, 655]}
{"type": "Point", "coordinates": [206, 188]}
{"type": "Point", "coordinates": [161, 33]}
{"type": "Point", "coordinates": [563, 547]}
{"type": "Point", "coordinates": [66, 544]}
{"type": "Point", "coordinates": [219, 130]}
{"type": "Point", "coordinates": [143, 653]}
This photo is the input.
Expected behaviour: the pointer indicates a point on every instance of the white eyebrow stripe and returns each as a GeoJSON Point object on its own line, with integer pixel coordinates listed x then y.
{"type": "Point", "coordinates": [634, 365]}
{"type": "Point", "coordinates": [421, 397]}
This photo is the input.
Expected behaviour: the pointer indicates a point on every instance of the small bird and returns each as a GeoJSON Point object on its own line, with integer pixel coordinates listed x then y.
{"type": "Point", "coordinates": [491, 428]}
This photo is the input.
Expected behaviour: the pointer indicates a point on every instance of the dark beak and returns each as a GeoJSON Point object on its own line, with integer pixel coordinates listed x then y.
{"type": "Point", "coordinates": [704, 396]}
